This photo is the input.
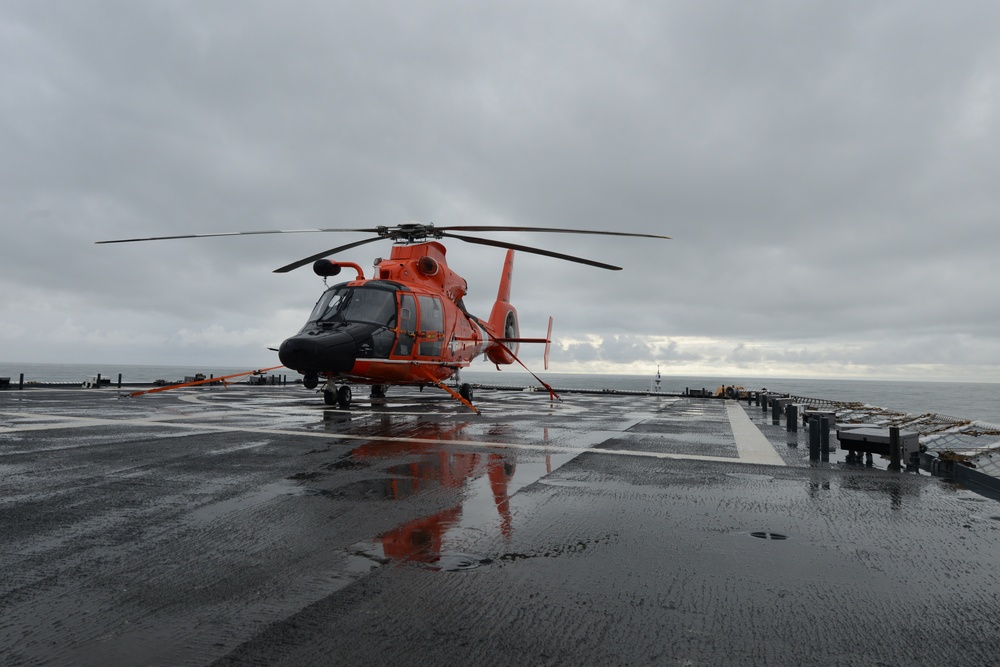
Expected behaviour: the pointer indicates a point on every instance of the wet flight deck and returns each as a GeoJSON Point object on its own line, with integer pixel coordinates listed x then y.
{"type": "Point", "coordinates": [256, 525]}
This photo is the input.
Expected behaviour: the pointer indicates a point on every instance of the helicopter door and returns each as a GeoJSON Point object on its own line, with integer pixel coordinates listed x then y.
{"type": "Point", "coordinates": [407, 325]}
{"type": "Point", "coordinates": [431, 326]}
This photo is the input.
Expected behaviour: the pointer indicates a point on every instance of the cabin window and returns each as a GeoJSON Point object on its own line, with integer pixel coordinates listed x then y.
{"type": "Point", "coordinates": [431, 326]}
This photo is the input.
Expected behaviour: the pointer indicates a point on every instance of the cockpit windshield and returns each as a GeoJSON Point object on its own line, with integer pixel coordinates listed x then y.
{"type": "Point", "coordinates": [344, 303]}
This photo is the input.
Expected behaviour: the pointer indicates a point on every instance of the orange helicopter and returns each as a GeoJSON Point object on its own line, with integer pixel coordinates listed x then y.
{"type": "Point", "coordinates": [407, 325]}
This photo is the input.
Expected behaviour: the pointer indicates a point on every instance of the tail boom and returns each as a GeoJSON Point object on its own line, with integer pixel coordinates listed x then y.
{"type": "Point", "coordinates": [504, 328]}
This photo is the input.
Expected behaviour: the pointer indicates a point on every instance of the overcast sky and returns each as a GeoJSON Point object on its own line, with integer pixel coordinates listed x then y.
{"type": "Point", "coordinates": [829, 173]}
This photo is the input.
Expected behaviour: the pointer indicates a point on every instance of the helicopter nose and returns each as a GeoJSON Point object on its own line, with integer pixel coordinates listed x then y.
{"type": "Point", "coordinates": [332, 352]}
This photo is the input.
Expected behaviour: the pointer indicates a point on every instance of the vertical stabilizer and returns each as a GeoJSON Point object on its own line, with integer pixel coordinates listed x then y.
{"type": "Point", "coordinates": [503, 294]}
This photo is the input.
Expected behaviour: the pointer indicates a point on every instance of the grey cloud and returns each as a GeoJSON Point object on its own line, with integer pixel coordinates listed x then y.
{"type": "Point", "coordinates": [827, 171]}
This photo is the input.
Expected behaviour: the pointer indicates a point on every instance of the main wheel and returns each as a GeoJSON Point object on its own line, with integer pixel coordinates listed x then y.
{"type": "Point", "coordinates": [329, 397]}
{"type": "Point", "coordinates": [465, 391]}
{"type": "Point", "coordinates": [344, 396]}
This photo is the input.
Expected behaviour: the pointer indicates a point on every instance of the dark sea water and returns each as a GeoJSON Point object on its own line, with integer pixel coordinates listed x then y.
{"type": "Point", "coordinates": [956, 399]}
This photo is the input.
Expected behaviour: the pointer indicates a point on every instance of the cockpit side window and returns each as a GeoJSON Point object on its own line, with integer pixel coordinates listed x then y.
{"type": "Point", "coordinates": [407, 325]}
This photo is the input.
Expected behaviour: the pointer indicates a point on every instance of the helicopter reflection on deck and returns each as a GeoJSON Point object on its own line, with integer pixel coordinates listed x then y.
{"type": "Point", "coordinates": [423, 540]}
{"type": "Point", "coordinates": [483, 480]}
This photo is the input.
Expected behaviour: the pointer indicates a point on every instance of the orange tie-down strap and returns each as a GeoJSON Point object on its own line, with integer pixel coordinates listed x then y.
{"type": "Point", "coordinates": [553, 396]}
{"type": "Point", "coordinates": [221, 379]}
{"type": "Point", "coordinates": [442, 385]}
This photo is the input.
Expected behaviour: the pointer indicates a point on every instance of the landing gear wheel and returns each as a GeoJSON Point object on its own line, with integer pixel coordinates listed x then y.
{"type": "Point", "coordinates": [329, 397]}
{"type": "Point", "coordinates": [465, 391]}
{"type": "Point", "coordinates": [378, 391]}
{"type": "Point", "coordinates": [344, 396]}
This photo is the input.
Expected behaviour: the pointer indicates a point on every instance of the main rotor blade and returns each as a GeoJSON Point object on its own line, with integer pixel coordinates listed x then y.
{"type": "Point", "coordinates": [268, 231]}
{"type": "Point", "coordinates": [325, 253]}
{"type": "Point", "coordinates": [488, 228]}
{"type": "Point", "coordinates": [536, 251]}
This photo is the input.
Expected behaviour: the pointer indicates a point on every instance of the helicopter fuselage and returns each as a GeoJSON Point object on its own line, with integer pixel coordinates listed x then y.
{"type": "Point", "coordinates": [407, 325]}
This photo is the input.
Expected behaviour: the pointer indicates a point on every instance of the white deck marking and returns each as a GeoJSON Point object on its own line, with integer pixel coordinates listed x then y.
{"type": "Point", "coordinates": [752, 445]}
{"type": "Point", "coordinates": [73, 422]}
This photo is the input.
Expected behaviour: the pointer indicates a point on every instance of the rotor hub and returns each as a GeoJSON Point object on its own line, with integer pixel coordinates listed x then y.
{"type": "Point", "coordinates": [409, 232]}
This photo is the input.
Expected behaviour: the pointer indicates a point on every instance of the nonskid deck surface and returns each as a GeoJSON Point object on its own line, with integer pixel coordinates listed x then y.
{"type": "Point", "coordinates": [257, 525]}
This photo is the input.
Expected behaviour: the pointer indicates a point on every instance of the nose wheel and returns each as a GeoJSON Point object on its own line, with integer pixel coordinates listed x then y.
{"type": "Point", "coordinates": [341, 396]}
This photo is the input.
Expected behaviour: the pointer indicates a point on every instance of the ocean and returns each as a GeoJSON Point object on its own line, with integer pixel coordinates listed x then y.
{"type": "Point", "coordinates": [956, 399]}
